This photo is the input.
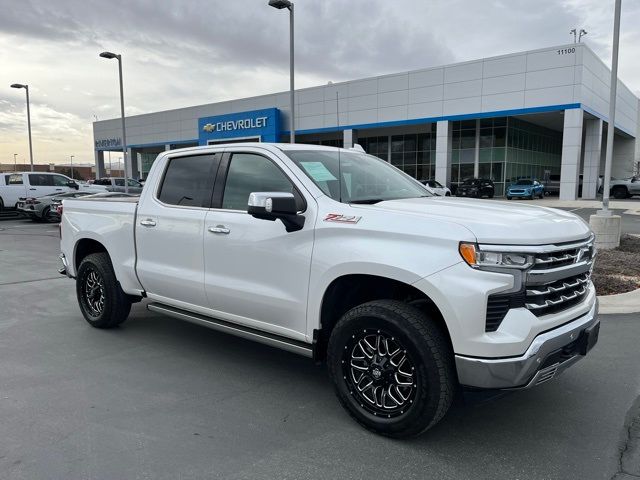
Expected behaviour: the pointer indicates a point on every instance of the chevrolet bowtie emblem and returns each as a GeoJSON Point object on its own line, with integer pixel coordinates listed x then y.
{"type": "Point", "coordinates": [209, 127]}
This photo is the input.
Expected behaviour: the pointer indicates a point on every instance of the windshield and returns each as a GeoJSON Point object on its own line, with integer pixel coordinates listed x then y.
{"type": "Point", "coordinates": [524, 182]}
{"type": "Point", "coordinates": [363, 178]}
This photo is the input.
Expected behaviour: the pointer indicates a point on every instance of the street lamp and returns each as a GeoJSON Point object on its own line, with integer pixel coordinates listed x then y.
{"type": "Point", "coordinates": [573, 31]}
{"type": "Point", "coordinates": [71, 167]}
{"type": "Point", "coordinates": [26, 87]}
{"type": "Point", "coordinates": [280, 4]}
{"type": "Point", "coordinates": [111, 56]}
{"type": "Point", "coordinates": [15, 162]}
{"type": "Point", "coordinates": [583, 32]}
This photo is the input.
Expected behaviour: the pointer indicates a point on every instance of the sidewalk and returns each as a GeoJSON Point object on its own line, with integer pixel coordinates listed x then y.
{"type": "Point", "coordinates": [622, 303]}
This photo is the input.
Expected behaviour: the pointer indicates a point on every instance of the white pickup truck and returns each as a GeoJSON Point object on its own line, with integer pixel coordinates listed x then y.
{"type": "Point", "coordinates": [337, 255]}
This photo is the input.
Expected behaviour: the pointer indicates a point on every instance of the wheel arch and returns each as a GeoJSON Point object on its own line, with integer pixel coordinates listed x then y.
{"type": "Point", "coordinates": [86, 246]}
{"type": "Point", "coordinates": [350, 290]}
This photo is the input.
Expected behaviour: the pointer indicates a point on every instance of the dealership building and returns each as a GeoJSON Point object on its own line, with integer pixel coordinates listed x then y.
{"type": "Point", "coordinates": [539, 114]}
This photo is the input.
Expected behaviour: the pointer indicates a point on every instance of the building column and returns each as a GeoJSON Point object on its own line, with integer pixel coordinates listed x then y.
{"type": "Point", "coordinates": [591, 168]}
{"type": "Point", "coordinates": [100, 172]}
{"type": "Point", "coordinates": [444, 134]}
{"type": "Point", "coordinates": [129, 163]}
{"type": "Point", "coordinates": [571, 148]}
{"type": "Point", "coordinates": [167, 147]}
{"type": "Point", "coordinates": [349, 138]}
{"type": "Point", "coordinates": [476, 159]}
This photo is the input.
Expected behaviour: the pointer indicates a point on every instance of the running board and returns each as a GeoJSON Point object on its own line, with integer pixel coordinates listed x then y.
{"type": "Point", "coordinates": [249, 333]}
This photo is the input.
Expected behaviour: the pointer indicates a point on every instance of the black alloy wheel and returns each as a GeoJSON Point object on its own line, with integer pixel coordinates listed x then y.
{"type": "Point", "coordinates": [379, 372]}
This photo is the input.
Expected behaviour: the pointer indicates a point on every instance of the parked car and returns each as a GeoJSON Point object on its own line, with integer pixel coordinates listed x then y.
{"type": "Point", "coordinates": [437, 188]}
{"type": "Point", "coordinates": [116, 184]}
{"type": "Point", "coordinates": [476, 187]}
{"type": "Point", "coordinates": [623, 188]}
{"type": "Point", "coordinates": [44, 208]}
{"type": "Point", "coordinates": [525, 189]}
{"type": "Point", "coordinates": [13, 186]}
{"type": "Point", "coordinates": [338, 256]}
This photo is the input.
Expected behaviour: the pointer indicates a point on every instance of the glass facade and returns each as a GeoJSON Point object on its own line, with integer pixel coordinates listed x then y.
{"type": "Point", "coordinates": [508, 148]}
{"type": "Point", "coordinates": [414, 153]}
{"type": "Point", "coordinates": [491, 145]}
{"type": "Point", "coordinates": [532, 151]}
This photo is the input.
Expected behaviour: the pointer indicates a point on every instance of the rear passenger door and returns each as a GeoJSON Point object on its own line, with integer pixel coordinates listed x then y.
{"type": "Point", "coordinates": [169, 231]}
{"type": "Point", "coordinates": [40, 184]}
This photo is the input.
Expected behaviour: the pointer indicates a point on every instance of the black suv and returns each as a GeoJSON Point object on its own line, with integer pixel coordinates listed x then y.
{"type": "Point", "coordinates": [476, 187]}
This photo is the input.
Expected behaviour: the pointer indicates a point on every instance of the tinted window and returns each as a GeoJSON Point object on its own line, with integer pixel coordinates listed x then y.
{"type": "Point", "coordinates": [39, 180]}
{"type": "Point", "coordinates": [103, 181]}
{"type": "Point", "coordinates": [119, 182]}
{"type": "Point", "coordinates": [188, 181]}
{"type": "Point", "coordinates": [524, 182]}
{"type": "Point", "coordinates": [254, 173]}
{"type": "Point", "coordinates": [60, 181]}
{"type": "Point", "coordinates": [14, 180]}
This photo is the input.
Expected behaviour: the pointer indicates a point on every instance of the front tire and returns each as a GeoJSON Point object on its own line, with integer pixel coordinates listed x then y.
{"type": "Point", "coordinates": [102, 301]}
{"type": "Point", "coordinates": [392, 368]}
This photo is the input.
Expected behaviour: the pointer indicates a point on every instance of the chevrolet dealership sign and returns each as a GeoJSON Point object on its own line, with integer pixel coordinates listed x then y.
{"type": "Point", "coordinates": [262, 124]}
{"type": "Point", "coordinates": [231, 125]}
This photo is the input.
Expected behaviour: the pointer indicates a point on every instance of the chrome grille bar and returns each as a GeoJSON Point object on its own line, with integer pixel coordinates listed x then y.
{"type": "Point", "coordinates": [563, 298]}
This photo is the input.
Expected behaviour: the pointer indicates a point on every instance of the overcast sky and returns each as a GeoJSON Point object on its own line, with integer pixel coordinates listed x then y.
{"type": "Point", "coordinates": [185, 52]}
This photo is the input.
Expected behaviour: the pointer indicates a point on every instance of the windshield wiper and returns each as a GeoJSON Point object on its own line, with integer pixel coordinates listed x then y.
{"type": "Point", "coordinates": [368, 201]}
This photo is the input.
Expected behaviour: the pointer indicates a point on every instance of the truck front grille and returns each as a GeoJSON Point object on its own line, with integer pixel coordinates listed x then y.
{"type": "Point", "coordinates": [557, 296]}
{"type": "Point", "coordinates": [558, 280]}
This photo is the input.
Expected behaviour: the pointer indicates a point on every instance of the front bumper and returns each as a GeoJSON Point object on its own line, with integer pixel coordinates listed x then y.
{"type": "Point", "coordinates": [549, 354]}
{"type": "Point", "coordinates": [519, 194]}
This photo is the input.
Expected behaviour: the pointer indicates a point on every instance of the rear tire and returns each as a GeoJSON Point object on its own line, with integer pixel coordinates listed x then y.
{"type": "Point", "coordinates": [392, 368]}
{"type": "Point", "coordinates": [101, 299]}
{"type": "Point", "coordinates": [620, 192]}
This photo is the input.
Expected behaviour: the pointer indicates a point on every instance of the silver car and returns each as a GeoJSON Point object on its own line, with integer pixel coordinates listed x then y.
{"type": "Point", "coordinates": [625, 187]}
{"type": "Point", "coordinates": [41, 209]}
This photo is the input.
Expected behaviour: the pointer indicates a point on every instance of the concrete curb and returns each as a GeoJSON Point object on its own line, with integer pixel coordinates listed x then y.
{"type": "Point", "coordinates": [621, 303]}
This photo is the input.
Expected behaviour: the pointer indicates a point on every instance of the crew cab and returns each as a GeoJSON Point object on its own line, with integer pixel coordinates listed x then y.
{"type": "Point", "coordinates": [14, 186]}
{"type": "Point", "coordinates": [339, 256]}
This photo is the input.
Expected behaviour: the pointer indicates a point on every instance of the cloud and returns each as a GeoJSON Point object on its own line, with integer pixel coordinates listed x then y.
{"type": "Point", "coordinates": [189, 52]}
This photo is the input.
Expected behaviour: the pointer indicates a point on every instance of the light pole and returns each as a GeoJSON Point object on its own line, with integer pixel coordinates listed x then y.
{"type": "Point", "coordinates": [583, 32]}
{"type": "Point", "coordinates": [110, 56]}
{"type": "Point", "coordinates": [15, 162]}
{"type": "Point", "coordinates": [612, 109]}
{"type": "Point", "coordinates": [280, 4]}
{"type": "Point", "coordinates": [26, 87]}
{"type": "Point", "coordinates": [71, 167]}
{"type": "Point", "coordinates": [574, 34]}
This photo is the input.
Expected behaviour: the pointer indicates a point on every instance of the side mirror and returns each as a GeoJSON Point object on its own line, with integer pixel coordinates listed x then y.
{"type": "Point", "coordinates": [72, 184]}
{"type": "Point", "coordinates": [276, 205]}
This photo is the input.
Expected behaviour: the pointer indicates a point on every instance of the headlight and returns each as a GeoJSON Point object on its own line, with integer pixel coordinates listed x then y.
{"type": "Point", "coordinates": [478, 258]}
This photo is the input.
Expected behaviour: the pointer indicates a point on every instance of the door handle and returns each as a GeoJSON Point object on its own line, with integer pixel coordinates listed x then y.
{"type": "Point", "coordinates": [219, 229]}
{"type": "Point", "coordinates": [32, 188]}
{"type": "Point", "coordinates": [148, 223]}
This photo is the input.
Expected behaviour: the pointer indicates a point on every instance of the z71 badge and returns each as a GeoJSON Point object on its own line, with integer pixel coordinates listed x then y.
{"type": "Point", "coordinates": [337, 217]}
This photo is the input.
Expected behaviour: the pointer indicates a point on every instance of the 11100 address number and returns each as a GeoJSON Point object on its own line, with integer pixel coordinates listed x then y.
{"type": "Point", "coordinates": [566, 51]}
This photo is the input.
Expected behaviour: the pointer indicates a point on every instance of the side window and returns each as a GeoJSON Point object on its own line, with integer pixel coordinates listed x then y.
{"type": "Point", "coordinates": [60, 181]}
{"type": "Point", "coordinates": [133, 183]}
{"type": "Point", "coordinates": [249, 173]}
{"type": "Point", "coordinates": [119, 182]}
{"type": "Point", "coordinates": [103, 181]}
{"type": "Point", "coordinates": [14, 179]}
{"type": "Point", "coordinates": [39, 180]}
{"type": "Point", "coordinates": [188, 181]}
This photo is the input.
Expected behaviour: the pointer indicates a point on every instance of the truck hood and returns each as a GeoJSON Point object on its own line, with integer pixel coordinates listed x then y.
{"type": "Point", "coordinates": [496, 222]}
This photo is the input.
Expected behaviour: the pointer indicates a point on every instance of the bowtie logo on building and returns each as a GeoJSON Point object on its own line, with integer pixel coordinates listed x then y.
{"type": "Point", "coordinates": [209, 127]}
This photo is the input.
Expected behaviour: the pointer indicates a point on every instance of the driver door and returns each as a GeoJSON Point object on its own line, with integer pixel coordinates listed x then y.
{"type": "Point", "coordinates": [256, 273]}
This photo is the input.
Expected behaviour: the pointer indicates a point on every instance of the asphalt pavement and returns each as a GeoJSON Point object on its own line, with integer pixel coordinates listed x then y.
{"type": "Point", "coordinates": [161, 399]}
